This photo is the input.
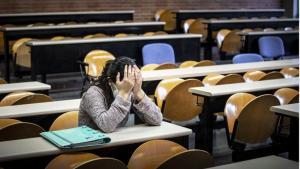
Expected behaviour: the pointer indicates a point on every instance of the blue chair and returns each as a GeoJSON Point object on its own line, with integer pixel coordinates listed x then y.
{"type": "Point", "coordinates": [247, 57]}
{"type": "Point", "coordinates": [271, 47]}
{"type": "Point", "coordinates": [158, 53]}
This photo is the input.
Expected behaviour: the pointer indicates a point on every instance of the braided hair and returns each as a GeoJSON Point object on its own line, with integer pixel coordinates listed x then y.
{"type": "Point", "coordinates": [109, 73]}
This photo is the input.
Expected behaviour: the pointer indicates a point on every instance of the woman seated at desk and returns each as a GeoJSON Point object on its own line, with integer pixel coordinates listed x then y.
{"type": "Point", "coordinates": [107, 103]}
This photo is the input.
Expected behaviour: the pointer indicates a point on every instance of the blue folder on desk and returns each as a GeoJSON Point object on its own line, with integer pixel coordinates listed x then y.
{"type": "Point", "coordinates": [76, 137]}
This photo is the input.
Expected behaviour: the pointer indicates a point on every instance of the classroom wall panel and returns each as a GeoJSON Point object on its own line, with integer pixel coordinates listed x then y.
{"type": "Point", "coordinates": [144, 9]}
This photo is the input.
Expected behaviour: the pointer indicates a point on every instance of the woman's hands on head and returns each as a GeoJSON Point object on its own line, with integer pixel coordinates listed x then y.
{"type": "Point", "coordinates": [126, 85]}
{"type": "Point", "coordinates": [138, 93]}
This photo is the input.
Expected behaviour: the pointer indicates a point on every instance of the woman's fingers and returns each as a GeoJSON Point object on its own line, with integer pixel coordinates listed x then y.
{"type": "Point", "coordinates": [125, 72]}
{"type": "Point", "coordinates": [118, 78]}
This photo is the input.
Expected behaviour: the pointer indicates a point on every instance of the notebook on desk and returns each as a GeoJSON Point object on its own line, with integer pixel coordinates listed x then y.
{"type": "Point", "coordinates": [76, 137]}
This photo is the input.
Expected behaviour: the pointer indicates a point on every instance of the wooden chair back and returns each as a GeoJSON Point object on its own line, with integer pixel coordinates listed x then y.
{"type": "Point", "coordinates": [70, 160]}
{"type": "Point", "coordinates": [186, 25]}
{"type": "Point", "coordinates": [55, 38]}
{"type": "Point", "coordinates": [180, 104]}
{"type": "Point", "coordinates": [2, 81]}
{"type": "Point", "coordinates": [17, 98]}
{"type": "Point", "coordinates": [96, 60]}
{"type": "Point", "coordinates": [14, 129]}
{"type": "Point", "coordinates": [103, 163]}
{"type": "Point", "coordinates": [65, 121]}
{"type": "Point", "coordinates": [231, 78]}
{"type": "Point", "coordinates": [17, 44]}
{"type": "Point", "coordinates": [256, 123]}
{"type": "Point", "coordinates": [212, 79]}
{"type": "Point", "coordinates": [232, 43]}
{"type": "Point", "coordinates": [121, 35]}
{"type": "Point", "coordinates": [148, 34]}
{"type": "Point", "coordinates": [197, 27]}
{"type": "Point", "coordinates": [289, 72]}
{"type": "Point", "coordinates": [188, 63]}
{"type": "Point", "coordinates": [205, 63]}
{"type": "Point", "coordinates": [234, 106]}
{"type": "Point", "coordinates": [287, 95]}
{"type": "Point", "coordinates": [152, 153]}
{"type": "Point", "coordinates": [163, 88]}
{"type": "Point", "coordinates": [191, 159]}
{"type": "Point", "coordinates": [150, 67]}
{"type": "Point", "coordinates": [272, 75]}
{"type": "Point", "coordinates": [253, 75]}
{"type": "Point", "coordinates": [160, 33]}
{"type": "Point", "coordinates": [170, 18]}
{"type": "Point", "coordinates": [221, 36]}
{"type": "Point", "coordinates": [23, 56]}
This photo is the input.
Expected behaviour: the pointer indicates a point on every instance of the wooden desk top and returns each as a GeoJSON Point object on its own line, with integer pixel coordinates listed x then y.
{"type": "Point", "coordinates": [66, 13]}
{"type": "Point", "coordinates": [76, 26]}
{"type": "Point", "coordinates": [228, 89]}
{"type": "Point", "coordinates": [36, 147]}
{"type": "Point", "coordinates": [214, 21]}
{"type": "Point", "coordinates": [291, 110]}
{"type": "Point", "coordinates": [37, 109]}
{"type": "Point", "coordinates": [269, 162]}
{"type": "Point", "coordinates": [24, 86]}
{"type": "Point", "coordinates": [220, 69]}
{"type": "Point", "coordinates": [230, 10]}
{"type": "Point", "coordinates": [113, 39]}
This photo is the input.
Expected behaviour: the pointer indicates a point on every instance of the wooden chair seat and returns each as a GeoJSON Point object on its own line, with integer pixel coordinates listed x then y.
{"type": "Point", "coordinates": [259, 75]}
{"type": "Point", "coordinates": [150, 67]}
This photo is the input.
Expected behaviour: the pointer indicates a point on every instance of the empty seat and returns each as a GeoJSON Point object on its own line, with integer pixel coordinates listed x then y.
{"type": "Point", "coordinates": [158, 53]}
{"type": "Point", "coordinates": [217, 79]}
{"type": "Point", "coordinates": [171, 93]}
{"type": "Point", "coordinates": [65, 121]}
{"type": "Point", "coordinates": [286, 96]}
{"type": "Point", "coordinates": [249, 121]}
{"type": "Point", "coordinates": [152, 153]}
{"type": "Point", "coordinates": [163, 88]}
{"type": "Point", "coordinates": [186, 25]}
{"type": "Point", "coordinates": [11, 129]}
{"type": "Point", "coordinates": [221, 36]}
{"type": "Point", "coordinates": [231, 44]}
{"type": "Point", "coordinates": [259, 75]}
{"type": "Point", "coordinates": [197, 27]}
{"type": "Point", "coordinates": [271, 47]}
{"type": "Point", "coordinates": [168, 17]}
{"type": "Point", "coordinates": [247, 57]}
{"type": "Point", "coordinates": [289, 72]}
{"type": "Point", "coordinates": [18, 98]}
{"type": "Point", "coordinates": [189, 63]}
{"type": "Point", "coordinates": [96, 60]}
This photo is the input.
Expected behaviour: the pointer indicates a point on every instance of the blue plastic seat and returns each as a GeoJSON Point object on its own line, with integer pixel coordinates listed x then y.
{"type": "Point", "coordinates": [271, 47]}
{"type": "Point", "coordinates": [158, 53]}
{"type": "Point", "coordinates": [247, 57]}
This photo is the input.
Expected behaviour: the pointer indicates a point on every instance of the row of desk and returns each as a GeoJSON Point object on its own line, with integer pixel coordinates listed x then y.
{"type": "Point", "coordinates": [214, 101]}
{"type": "Point", "coordinates": [14, 33]}
{"type": "Point", "coordinates": [290, 40]}
{"type": "Point", "coordinates": [36, 147]}
{"type": "Point", "coordinates": [57, 17]}
{"type": "Point", "coordinates": [183, 15]}
{"type": "Point", "coordinates": [216, 25]}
